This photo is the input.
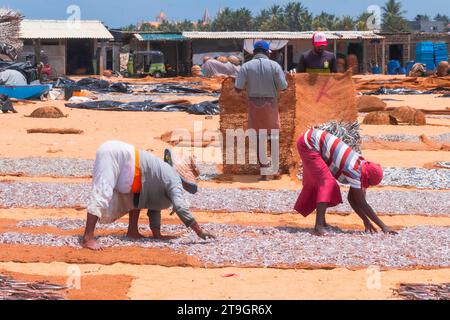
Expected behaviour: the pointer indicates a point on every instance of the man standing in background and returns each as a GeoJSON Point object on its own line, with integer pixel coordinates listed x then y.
{"type": "Point", "coordinates": [318, 60]}
{"type": "Point", "coordinates": [263, 79]}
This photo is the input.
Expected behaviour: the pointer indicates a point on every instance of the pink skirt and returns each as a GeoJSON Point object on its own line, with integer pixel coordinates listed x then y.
{"type": "Point", "coordinates": [319, 185]}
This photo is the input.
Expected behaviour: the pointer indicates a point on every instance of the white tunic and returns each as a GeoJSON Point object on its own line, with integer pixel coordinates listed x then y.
{"type": "Point", "coordinates": [114, 167]}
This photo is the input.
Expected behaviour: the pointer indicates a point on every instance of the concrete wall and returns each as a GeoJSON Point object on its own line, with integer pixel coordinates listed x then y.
{"type": "Point", "coordinates": [56, 54]}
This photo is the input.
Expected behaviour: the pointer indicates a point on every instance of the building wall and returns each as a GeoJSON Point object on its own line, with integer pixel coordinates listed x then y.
{"type": "Point", "coordinates": [403, 39]}
{"type": "Point", "coordinates": [56, 53]}
{"type": "Point", "coordinates": [421, 37]}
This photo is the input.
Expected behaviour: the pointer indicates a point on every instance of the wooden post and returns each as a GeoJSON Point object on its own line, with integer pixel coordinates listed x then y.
{"type": "Point", "coordinates": [37, 50]}
{"type": "Point", "coordinates": [102, 57]}
{"type": "Point", "coordinates": [177, 57]}
{"type": "Point", "coordinates": [365, 63]}
{"type": "Point", "coordinates": [286, 57]}
{"type": "Point", "coordinates": [335, 46]}
{"type": "Point", "coordinates": [409, 47]}
{"type": "Point", "coordinates": [383, 56]}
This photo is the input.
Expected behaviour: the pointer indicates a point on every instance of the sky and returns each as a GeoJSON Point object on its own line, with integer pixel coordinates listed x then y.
{"type": "Point", "coordinates": [118, 13]}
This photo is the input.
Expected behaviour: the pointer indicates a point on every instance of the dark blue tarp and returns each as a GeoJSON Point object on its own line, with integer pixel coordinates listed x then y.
{"type": "Point", "coordinates": [203, 108]}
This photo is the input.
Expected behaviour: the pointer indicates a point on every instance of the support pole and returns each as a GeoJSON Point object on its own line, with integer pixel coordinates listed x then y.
{"type": "Point", "coordinates": [102, 57]}
{"type": "Point", "coordinates": [383, 57]}
{"type": "Point", "coordinates": [178, 60]}
{"type": "Point", "coordinates": [286, 57]}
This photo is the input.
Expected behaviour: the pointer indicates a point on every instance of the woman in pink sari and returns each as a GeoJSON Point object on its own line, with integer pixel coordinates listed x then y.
{"type": "Point", "coordinates": [327, 159]}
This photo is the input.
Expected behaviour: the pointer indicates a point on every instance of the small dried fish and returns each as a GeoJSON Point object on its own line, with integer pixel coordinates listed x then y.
{"type": "Point", "coordinates": [346, 131]}
{"type": "Point", "coordinates": [62, 195]}
{"type": "Point", "coordinates": [274, 246]}
{"type": "Point", "coordinates": [424, 291]}
{"type": "Point", "coordinates": [11, 289]}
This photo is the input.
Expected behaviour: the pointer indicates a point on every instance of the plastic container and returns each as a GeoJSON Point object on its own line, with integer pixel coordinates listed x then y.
{"type": "Point", "coordinates": [409, 66]}
{"type": "Point", "coordinates": [376, 70]}
{"type": "Point", "coordinates": [393, 67]}
{"type": "Point", "coordinates": [69, 91]}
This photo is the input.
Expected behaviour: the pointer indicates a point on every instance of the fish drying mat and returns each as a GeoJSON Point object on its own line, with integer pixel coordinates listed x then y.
{"type": "Point", "coordinates": [79, 168]}
{"type": "Point", "coordinates": [11, 289]}
{"type": "Point", "coordinates": [422, 246]}
{"type": "Point", "coordinates": [67, 167]}
{"type": "Point", "coordinates": [75, 195]}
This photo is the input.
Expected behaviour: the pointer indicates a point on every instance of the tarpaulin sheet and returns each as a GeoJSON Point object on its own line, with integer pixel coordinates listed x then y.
{"type": "Point", "coordinates": [322, 98]}
{"type": "Point", "coordinates": [93, 84]}
{"type": "Point", "coordinates": [203, 108]}
{"type": "Point", "coordinates": [384, 90]}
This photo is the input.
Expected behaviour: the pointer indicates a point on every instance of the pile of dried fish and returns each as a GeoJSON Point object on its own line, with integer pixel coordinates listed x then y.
{"type": "Point", "coordinates": [57, 167]}
{"type": "Point", "coordinates": [279, 201]}
{"type": "Point", "coordinates": [346, 131]}
{"type": "Point", "coordinates": [11, 289]}
{"type": "Point", "coordinates": [62, 195]}
{"type": "Point", "coordinates": [424, 291]}
{"type": "Point", "coordinates": [443, 164]}
{"type": "Point", "coordinates": [66, 167]}
{"type": "Point", "coordinates": [414, 177]}
{"type": "Point", "coordinates": [43, 195]}
{"type": "Point", "coordinates": [444, 137]}
{"type": "Point", "coordinates": [276, 246]}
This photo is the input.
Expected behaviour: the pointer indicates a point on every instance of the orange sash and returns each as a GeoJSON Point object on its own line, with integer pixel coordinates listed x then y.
{"type": "Point", "coordinates": [136, 186]}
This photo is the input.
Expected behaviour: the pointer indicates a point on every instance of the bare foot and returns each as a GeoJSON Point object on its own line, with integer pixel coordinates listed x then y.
{"type": "Point", "coordinates": [134, 235]}
{"type": "Point", "coordinates": [319, 231]}
{"type": "Point", "coordinates": [91, 245]}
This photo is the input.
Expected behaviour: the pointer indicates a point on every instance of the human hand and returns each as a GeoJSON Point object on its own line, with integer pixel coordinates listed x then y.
{"type": "Point", "coordinates": [206, 235]}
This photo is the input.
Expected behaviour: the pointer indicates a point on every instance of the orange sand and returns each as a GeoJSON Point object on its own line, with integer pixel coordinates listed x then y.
{"type": "Point", "coordinates": [146, 281]}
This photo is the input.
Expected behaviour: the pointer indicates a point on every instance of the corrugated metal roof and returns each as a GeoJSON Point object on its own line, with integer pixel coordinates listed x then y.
{"type": "Point", "coordinates": [281, 35]}
{"type": "Point", "coordinates": [160, 37]}
{"type": "Point", "coordinates": [64, 29]}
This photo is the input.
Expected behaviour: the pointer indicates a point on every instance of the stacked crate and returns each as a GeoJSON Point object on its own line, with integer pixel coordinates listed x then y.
{"type": "Point", "coordinates": [440, 52]}
{"type": "Point", "coordinates": [425, 54]}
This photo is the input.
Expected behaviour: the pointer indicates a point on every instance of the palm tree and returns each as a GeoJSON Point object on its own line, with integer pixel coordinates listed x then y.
{"type": "Point", "coordinates": [393, 20]}
{"type": "Point", "coordinates": [361, 21]}
{"type": "Point", "coordinates": [325, 21]}
{"type": "Point", "coordinates": [242, 20]}
{"type": "Point", "coordinates": [277, 18]}
{"type": "Point", "coordinates": [262, 21]}
{"type": "Point", "coordinates": [345, 23]}
{"type": "Point", "coordinates": [223, 21]}
{"type": "Point", "coordinates": [297, 17]}
{"type": "Point", "coordinates": [233, 20]}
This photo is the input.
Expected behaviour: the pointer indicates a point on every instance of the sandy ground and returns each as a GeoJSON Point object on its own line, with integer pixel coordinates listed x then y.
{"type": "Point", "coordinates": [156, 282]}
{"type": "Point", "coordinates": [137, 278]}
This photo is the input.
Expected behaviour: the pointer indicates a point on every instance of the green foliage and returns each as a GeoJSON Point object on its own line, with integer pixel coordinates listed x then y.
{"type": "Point", "coordinates": [293, 16]}
{"type": "Point", "coordinates": [393, 20]}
